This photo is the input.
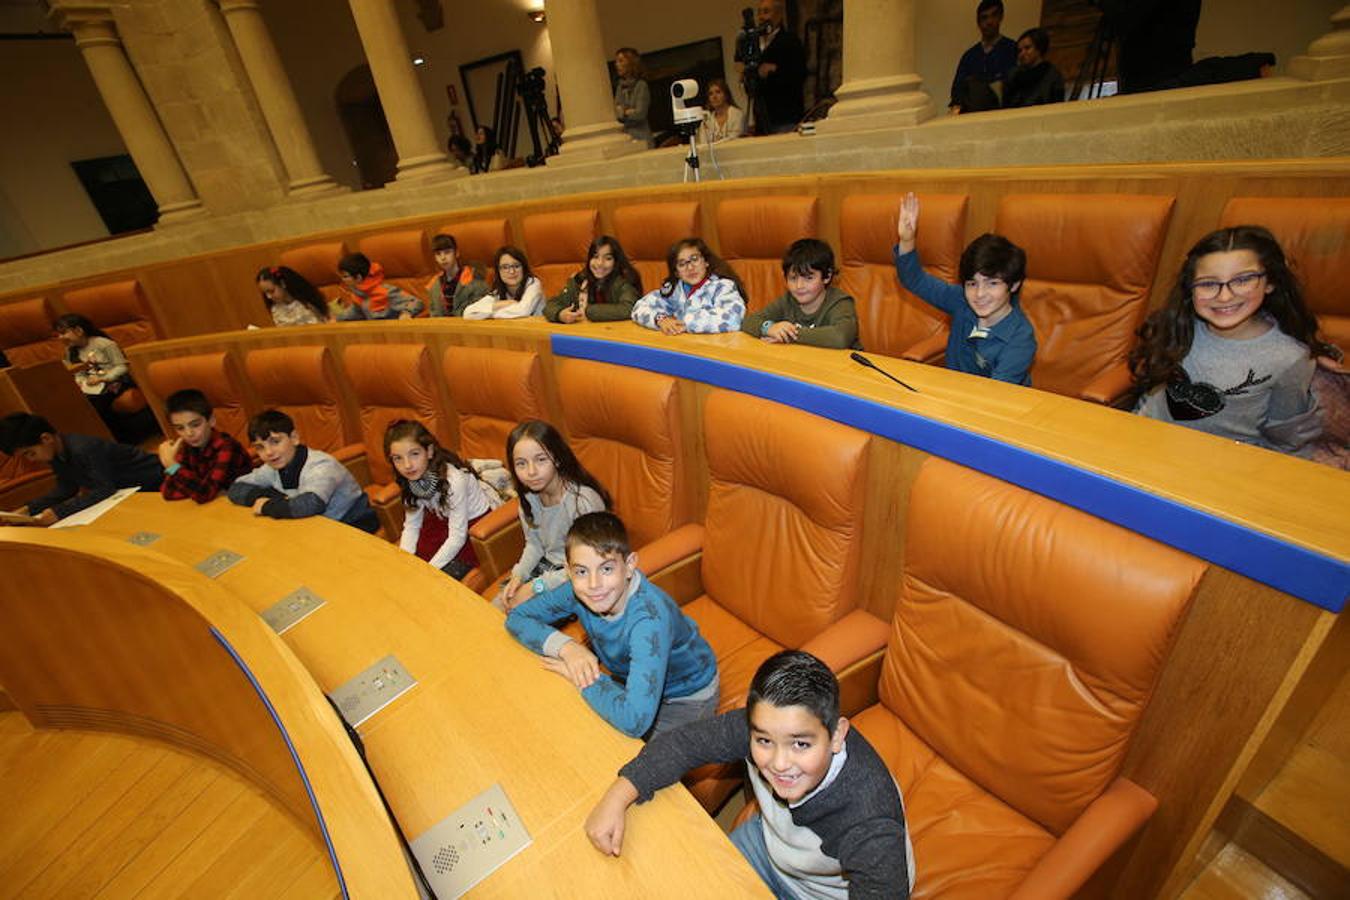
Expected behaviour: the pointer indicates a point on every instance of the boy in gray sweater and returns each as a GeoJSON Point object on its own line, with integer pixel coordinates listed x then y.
{"type": "Point", "coordinates": [830, 821]}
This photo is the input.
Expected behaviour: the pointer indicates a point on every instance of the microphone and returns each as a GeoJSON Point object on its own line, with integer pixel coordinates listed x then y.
{"type": "Point", "coordinates": [864, 361]}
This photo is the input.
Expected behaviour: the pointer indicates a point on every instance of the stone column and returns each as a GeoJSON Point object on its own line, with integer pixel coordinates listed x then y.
{"type": "Point", "coordinates": [276, 99]}
{"type": "Point", "coordinates": [420, 155]}
{"type": "Point", "coordinates": [593, 133]}
{"type": "Point", "coordinates": [1328, 57]}
{"type": "Point", "coordinates": [135, 118]}
{"type": "Point", "coordinates": [880, 87]}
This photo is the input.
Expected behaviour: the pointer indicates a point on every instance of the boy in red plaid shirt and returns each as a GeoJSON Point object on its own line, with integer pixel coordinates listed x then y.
{"type": "Point", "coordinates": [201, 462]}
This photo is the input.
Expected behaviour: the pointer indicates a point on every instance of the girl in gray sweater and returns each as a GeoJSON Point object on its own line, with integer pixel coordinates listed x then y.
{"type": "Point", "coordinates": [554, 489]}
{"type": "Point", "coordinates": [1232, 352]}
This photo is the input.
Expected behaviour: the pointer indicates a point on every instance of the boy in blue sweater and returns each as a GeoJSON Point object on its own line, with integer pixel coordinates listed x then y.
{"type": "Point", "coordinates": [663, 673]}
{"type": "Point", "coordinates": [830, 823]}
{"type": "Point", "coordinates": [990, 336]}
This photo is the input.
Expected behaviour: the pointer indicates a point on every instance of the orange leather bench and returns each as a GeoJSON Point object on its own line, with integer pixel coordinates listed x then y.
{"type": "Point", "coordinates": [647, 231]}
{"type": "Point", "coordinates": [753, 233]}
{"type": "Point", "coordinates": [26, 334]}
{"type": "Point", "coordinates": [556, 244]}
{"type": "Point", "coordinates": [1026, 643]}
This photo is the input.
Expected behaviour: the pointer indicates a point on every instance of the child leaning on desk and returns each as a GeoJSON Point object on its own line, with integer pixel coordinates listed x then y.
{"type": "Point", "coordinates": [663, 673]}
{"type": "Point", "coordinates": [295, 481]}
{"type": "Point", "coordinates": [830, 821]}
{"type": "Point", "coordinates": [812, 311]}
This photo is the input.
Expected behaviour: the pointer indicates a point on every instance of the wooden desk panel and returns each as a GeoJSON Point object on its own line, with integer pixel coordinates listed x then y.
{"type": "Point", "coordinates": [483, 711]}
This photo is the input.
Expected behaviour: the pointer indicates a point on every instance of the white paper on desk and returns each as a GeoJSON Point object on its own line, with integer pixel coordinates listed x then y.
{"type": "Point", "coordinates": [92, 513]}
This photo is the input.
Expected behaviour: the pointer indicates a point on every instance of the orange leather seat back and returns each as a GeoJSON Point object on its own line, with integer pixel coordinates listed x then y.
{"type": "Point", "coordinates": [647, 231]}
{"type": "Point", "coordinates": [405, 257]}
{"type": "Point", "coordinates": [493, 391]}
{"type": "Point", "coordinates": [1091, 260]}
{"type": "Point", "coordinates": [118, 308]}
{"type": "Point", "coordinates": [214, 374]}
{"type": "Point", "coordinates": [26, 333]}
{"type": "Point", "coordinates": [624, 426]}
{"type": "Point", "coordinates": [302, 383]}
{"type": "Point", "coordinates": [318, 264]}
{"type": "Point", "coordinates": [556, 244]}
{"type": "Point", "coordinates": [753, 234]}
{"type": "Point", "coordinates": [478, 241]}
{"type": "Point", "coordinates": [890, 318]}
{"type": "Point", "coordinates": [13, 468]}
{"type": "Point", "coordinates": [392, 381]}
{"type": "Point", "coordinates": [1028, 638]}
{"type": "Point", "coordinates": [1315, 235]}
{"type": "Point", "coordinates": [785, 515]}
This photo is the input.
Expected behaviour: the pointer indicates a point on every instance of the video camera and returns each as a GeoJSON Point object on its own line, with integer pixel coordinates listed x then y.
{"type": "Point", "coordinates": [688, 117]}
{"type": "Point", "coordinates": [747, 43]}
{"type": "Point", "coordinates": [530, 87]}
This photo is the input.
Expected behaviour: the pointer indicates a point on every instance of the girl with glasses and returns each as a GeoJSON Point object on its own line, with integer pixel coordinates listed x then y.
{"type": "Point", "coordinates": [516, 292]}
{"type": "Point", "coordinates": [701, 294]}
{"type": "Point", "coordinates": [1233, 350]}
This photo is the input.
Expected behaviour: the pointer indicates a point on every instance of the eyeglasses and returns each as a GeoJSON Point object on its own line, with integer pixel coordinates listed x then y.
{"type": "Point", "coordinates": [688, 261]}
{"type": "Point", "coordinates": [1239, 286]}
{"type": "Point", "coordinates": [509, 267]}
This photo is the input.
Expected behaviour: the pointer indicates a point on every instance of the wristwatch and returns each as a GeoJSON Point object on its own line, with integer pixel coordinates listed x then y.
{"type": "Point", "coordinates": [764, 329]}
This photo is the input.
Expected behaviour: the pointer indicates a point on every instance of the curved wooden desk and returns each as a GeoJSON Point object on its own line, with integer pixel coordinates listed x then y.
{"type": "Point", "coordinates": [1274, 527]}
{"type": "Point", "coordinates": [483, 711]}
{"type": "Point", "coordinates": [103, 635]}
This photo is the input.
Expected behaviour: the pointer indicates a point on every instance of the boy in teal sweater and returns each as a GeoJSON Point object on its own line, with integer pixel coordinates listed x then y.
{"type": "Point", "coordinates": [663, 673]}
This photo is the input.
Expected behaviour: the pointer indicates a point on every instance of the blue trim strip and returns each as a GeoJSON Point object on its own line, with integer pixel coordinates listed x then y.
{"type": "Point", "coordinates": [1311, 576]}
{"type": "Point", "coordinates": [295, 757]}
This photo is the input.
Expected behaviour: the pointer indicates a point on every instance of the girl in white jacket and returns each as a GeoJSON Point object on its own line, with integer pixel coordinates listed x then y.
{"type": "Point", "coordinates": [516, 293]}
{"type": "Point", "coordinates": [442, 498]}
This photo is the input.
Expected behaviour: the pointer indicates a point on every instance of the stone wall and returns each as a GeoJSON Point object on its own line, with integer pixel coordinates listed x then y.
{"type": "Point", "coordinates": [1269, 119]}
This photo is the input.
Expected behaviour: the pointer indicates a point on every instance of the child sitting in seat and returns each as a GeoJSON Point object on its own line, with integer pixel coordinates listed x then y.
{"type": "Point", "coordinates": [701, 295]}
{"type": "Point", "coordinates": [1234, 349]}
{"type": "Point", "coordinates": [457, 286]}
{"type": "Point", "coordinates": [102, 374]}
{"type": "Point", "coordinates": [813, 311]}
{"type": "Point", "coordinates": [604, 291]}
{"type": "Point", "coordinates": [88, 470]}
{"type": "Point", "coordinates": [662, 675]}
{"type": "Point", "coordinates": [369, 296]}
{"type": "Point", "coordinates": [295, 481]}
{"type": "Point", "coordinates": [516, 292]}
{"type": "Point", "coordinates": [554, 489]}
{"type": "Point", "coordinates": [201, 462]}
{"type": "Point", "coordinates": [990, 336]}
{"type": "Point", "coordinates": [442, 498]}
{"type": "Point", "coordinates": [290, 298]}
{"type": "Point", "coordinates": [830, 818]}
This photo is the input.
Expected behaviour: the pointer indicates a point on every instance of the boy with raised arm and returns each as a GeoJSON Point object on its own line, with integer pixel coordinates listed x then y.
{"type": "Point", "coordinates": [663, 673]}
{"type": "Point", "coordinates": [88, 469]}
{"type": "Point", "coordinates": [830, 823]}
{"type": "Point", "coordinates": [812, 311]}
{"type": "Point", "coordinates": [989, 335]}
{"type": "Point", "coordinates": [295, 481]}
{"type": "Point", "coordinates": [201, 461]}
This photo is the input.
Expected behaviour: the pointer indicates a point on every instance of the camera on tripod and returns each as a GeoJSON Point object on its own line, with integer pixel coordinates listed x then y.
{"type": "Point", "coordinates": [533, 96]}
{"type": "Point", "coordinates": [688, 117]}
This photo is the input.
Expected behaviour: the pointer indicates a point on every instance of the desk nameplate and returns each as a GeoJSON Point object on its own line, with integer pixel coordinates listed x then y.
{"type": "Point", "coordinates": [372, 690]}
{"type": "Point", "coordinates": [289, 610]}
{"type": "Point", "coordinates": [218, 563]}
{"type": "Point", "coordinates": [471, 843]}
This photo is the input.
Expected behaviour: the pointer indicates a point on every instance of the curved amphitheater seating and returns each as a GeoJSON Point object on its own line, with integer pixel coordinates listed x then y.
{"type": "Point", "coordinates": [556, 244]}
{"type": "Point", "coordinates": [891, 320]}
{"type": "Point", "coordinates": [648, 230]}
{"type": "Point", "coordinates": [1090, 264]}
{"type": "Point", "coordinates": [753, 233]}
{"type": "Point", "coordinates": [26, 334]}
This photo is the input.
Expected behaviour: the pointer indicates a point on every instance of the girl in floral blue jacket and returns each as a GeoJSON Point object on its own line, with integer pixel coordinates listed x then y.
{"type": "Point", "coordinates": [701, 295]}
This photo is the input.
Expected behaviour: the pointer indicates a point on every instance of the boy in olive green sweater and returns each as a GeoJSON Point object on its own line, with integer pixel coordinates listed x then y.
{"type": "Point", "coordinates": [812, 311]}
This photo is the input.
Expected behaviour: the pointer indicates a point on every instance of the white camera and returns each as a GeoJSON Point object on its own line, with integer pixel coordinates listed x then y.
{"type": "Point", "coordinates": [682, 94]}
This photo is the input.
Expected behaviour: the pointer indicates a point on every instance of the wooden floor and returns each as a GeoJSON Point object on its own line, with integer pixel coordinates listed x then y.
{"type": "Point", "coordinates": [91, 815]}
{"type": "Point", "coordinates": [1237, 875]}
